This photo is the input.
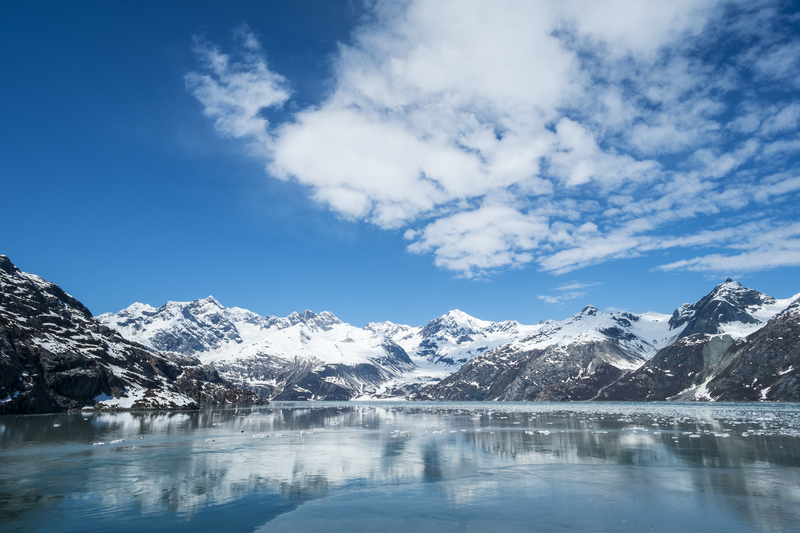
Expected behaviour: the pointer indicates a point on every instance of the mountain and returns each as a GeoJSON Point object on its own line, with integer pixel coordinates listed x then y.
{"type": "Point", "coordinates": [765, 366]}
{"type": "Point", "coordinates": [673, 370]}
{"type": "Point", "coordinates": [55, 356]}
{"type": "Point", "coordinates": [729, 308]}
{"type": "Point", "coordinates": [303, 356]}
{"type": "Point", "coordinates": [317, 356]}
{"type": "Point", "coordinates": [557, 361]}
{"type": "Point", "coordinates": [445, 343]}
{"type": "Point", "coordinates": [621, 356]}
{"type": "Point", "coordinates": [734, 343]}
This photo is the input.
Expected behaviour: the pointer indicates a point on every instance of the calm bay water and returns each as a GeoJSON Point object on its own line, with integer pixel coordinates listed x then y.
{"type": "Point", "coordinates": [406, 466]}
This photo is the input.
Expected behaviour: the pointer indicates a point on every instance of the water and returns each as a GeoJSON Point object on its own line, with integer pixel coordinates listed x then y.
{"type": "Point", "coordinates": [406, 467]}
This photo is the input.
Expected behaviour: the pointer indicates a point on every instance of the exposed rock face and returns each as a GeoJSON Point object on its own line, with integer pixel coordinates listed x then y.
{"type": "Point", "coordinates": [557, 373]}
{"type": "Point", "coordinates": [54, 356]}
{"type": "Point", "coordinates": [766, 366]}
{"type": "Point", "coordinates": [674, 369]}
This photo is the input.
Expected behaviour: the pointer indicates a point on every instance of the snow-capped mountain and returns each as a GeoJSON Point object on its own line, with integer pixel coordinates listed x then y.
{"type": "Point", "coordinates": [448, 342]}
{"type": "Point", "coordinates": [730, 308]}
{"type": "Point", "coordinates": [734, 343]}
{"type": "Point", "coordinates": [764, 366]}
{"type": "Point", "coordinates": [317, 356]}
{"type": "Point", "coordinates": [445, 343]}
{"type": "Point", "coordinates": [566, 360]}
{"type": "Point", "coordinates": [55, 356]}
{"type": "Point", "coordinates": [301, 356]}
{"type": "Point", "coordinates": [591, 354]}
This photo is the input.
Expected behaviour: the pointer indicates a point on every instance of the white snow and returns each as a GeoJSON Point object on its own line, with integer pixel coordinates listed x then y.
{"type": "Point", "coordinates": [154, 398]}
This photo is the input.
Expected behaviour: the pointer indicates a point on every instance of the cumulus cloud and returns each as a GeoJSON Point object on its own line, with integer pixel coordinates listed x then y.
{"type": "Point", "coordinates": [559, 134]}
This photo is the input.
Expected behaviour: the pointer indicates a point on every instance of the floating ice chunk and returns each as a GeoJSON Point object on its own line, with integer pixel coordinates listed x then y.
{"type": "Point", "coordinates": [56, 425]}
{"type": "Point", "coordinates": [98, 444]}
{"type": "Point", "coordinates": [117, 441]}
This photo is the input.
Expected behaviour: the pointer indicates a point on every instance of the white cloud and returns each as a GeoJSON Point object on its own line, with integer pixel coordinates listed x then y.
{"type": "Point", "coordinates": [481, 240]}
{"type": "Point", "coordinates": [764, 246]}
{"type": "Point", "coordinates": [784, 120]}
{"type": "Point", "coordinates": [561, 134]}
{"type": "Point", "coordinates": [575, 285]}
{"type": "Point", "coordinates": [780, 62]}
{"type": "Point", "coordinates": [569, 291]}
{"type": "Point", "coordinates": [561, 298]}
{"type": "Point", "coordinates": [234, 92]}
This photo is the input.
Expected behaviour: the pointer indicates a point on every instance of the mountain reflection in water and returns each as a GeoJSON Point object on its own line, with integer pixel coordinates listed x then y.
{"type": "Point", "coordinates": [428, 466]}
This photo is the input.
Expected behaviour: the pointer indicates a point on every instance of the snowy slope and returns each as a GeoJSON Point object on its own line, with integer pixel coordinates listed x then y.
{"type": "Point", "coordinates": [301, 356]}
{"type": "Point", "coordinates": [214, 333]}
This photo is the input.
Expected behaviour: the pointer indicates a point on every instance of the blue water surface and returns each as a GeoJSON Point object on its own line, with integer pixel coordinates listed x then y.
{"type": "Point", "coordinates": [406, 467]}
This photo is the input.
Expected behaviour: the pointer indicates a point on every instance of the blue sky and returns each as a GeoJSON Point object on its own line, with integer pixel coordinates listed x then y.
{"type": "Point", "coordinates": [394, 160]}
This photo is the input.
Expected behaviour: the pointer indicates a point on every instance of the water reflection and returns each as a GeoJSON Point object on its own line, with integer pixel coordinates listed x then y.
{"type": "Point", "coordinates": [252, 466]}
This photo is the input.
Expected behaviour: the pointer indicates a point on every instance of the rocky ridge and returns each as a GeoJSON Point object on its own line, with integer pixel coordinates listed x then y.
{"type": "Point", "coordinates": [54, 356]}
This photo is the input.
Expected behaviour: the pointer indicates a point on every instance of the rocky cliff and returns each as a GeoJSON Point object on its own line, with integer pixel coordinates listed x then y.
{"type": "Point", "coordinates": [54, 356]}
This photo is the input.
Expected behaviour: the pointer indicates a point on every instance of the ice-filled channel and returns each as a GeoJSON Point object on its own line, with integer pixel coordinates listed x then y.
{"type": "Point", "coordinates": [406, 467]}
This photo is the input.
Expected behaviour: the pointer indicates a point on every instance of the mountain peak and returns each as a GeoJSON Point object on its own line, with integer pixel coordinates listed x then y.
{"type": "Point", "coordinates": [590, 310]}
{"type": "Point", "coordinates": [138, 307]}
{"type": "Point", "coordinates": [728, 302]}
{"type": "Point", "coordinates": [297, 318]}
{"type": "Point", "coordinates": [212, 300]}
{"type": "Point", "coordinates": [7, 266]}
{"type": "Point", "coordinates": [457, 314]}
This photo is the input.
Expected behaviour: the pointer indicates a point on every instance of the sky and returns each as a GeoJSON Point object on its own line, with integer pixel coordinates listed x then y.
{"type": "Point", "coordinates": [391, 160]}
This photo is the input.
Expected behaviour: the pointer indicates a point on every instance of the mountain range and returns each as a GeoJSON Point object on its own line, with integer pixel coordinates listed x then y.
{"type": "Point", "coordinates": [735, 344]}
{"type": "Point", "coordinates": [589, 356]}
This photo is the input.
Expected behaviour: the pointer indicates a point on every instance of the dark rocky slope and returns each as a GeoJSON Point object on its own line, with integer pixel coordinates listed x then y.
{"type": "Point", "coordinates": [674, 369]}
{"type": "Point", "coordinates": [556, 373]}
{"type": "Point", "coordinates": [765, 366]}
{"type": "Point", "coordinates": [54, 356]}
